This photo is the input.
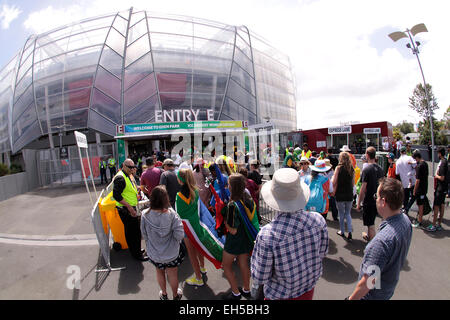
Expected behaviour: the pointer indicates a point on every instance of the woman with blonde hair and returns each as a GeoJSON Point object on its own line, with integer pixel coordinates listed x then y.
{"type": "Point", "coordinates": [200, 237]}
{"type": "Point", "coordinates": [343, 182]}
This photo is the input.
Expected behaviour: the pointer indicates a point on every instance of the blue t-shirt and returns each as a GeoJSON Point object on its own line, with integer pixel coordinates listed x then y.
{"type": "Point", "coordinates": [387, 251]}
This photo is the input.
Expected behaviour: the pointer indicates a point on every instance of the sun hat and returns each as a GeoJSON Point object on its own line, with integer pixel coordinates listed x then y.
{"type": "Point", "coordinates": [285, 192]}
{"type": "Point", "coordinates": [327, 162]}
{"type": "Point", "coordinates": [304, 159]}
{"type": "Point", "coordinates": [320, 166]}
{"type": "Point", "coordinates": [345, 148]}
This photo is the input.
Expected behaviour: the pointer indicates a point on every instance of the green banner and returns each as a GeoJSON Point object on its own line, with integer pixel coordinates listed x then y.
{"type": "Point", "coordinates": [152, 127]}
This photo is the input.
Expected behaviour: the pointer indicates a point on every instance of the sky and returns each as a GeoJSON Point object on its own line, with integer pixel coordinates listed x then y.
{"type": "Point", "coordinates": [346, 68]}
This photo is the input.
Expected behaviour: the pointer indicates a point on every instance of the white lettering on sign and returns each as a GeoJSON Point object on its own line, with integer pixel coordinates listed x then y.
{"type": "Point", "coordinates": [340, 130]}
{"type": "Point", "coordinates": [181, 115]}
{"type": "Point", "coordinates": [372, 130]}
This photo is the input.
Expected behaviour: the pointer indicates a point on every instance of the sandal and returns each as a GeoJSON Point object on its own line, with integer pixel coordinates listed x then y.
{"type": "Point", "coordinates": [366, 237]}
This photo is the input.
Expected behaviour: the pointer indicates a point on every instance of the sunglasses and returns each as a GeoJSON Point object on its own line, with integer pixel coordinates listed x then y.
{"type": "Point", "coordinates": [131, 167]}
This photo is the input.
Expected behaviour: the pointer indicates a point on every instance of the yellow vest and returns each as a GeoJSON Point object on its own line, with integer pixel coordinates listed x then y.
{"type": "Point", "coordinates": [130, 192]}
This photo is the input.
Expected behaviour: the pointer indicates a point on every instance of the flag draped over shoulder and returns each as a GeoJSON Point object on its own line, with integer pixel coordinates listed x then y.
{"type": "Point", "coordinates": [250, 219]}
{"type": "Point", "coordinates": [221, 196]}
{"type": "Point", "coordinates": [199, 227]}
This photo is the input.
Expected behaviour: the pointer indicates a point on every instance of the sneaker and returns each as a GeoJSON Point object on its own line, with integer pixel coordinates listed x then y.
{"type": "Point", "coordinates": [245, 294]}
{"type": "Point", "coordinates": [193, 281]}
{"type": "Point", "coordinates": [439, 228]}
{"type": "Point", "coordinates": [179, 294]}
{"type": "Point", "coordinates": [431, 228]}
{"type": "Point", "coordinates": [417, 224]}
{"type": "Point", "coordinates": [163, 296]}
{"type": "Point", "coordinates": [232, 296]}
{"type": "Point", "coordinates": [340, 233]}
{"type": "Point", "coordinates": [349, 237]}
{"type": "Point", "coordinates": [203, 270]}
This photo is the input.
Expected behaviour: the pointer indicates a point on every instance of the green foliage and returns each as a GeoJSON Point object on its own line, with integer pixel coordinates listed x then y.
{"type": "Point", "coordinates": [405, 127]}
{"type": "Point", "coordinates": [419, 103]}
{"type": "Point", "coordinates": [396, 133]}
{"type": "Point", "coordinates": [439, 132]}
{"type": "Point", "coordinates": [15, 168]}
{"type": "Point", "coordinates": [4, 170]}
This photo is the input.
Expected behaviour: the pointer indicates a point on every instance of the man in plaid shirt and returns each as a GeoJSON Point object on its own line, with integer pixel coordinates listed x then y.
{"type": "Point", "coordinates": [288, 252]}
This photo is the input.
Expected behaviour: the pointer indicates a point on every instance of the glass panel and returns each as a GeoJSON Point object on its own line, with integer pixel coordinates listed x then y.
{"type": "Point", "coordinates": [243, 78]}
{"type": "Point", "coordinates": [175, 100]}
{"type": "Point", "coordinates": [238, 112]}
{"type": "Point", "coordinates": [137, 50]}
{"type": "Point", "coordinates": [139, 92]}
{"type": "Point", "coordinates": [213, 33]}
{"type": "Point", "coordinates": [241, 96]}
{"type": "Point", "coordinates": [25, 120]}
{"type": "Point", "coordinates": [121, 25]}
{"type": "Point", "coordinates": [138, 70]}
{"type": "Point", "coordinates": [111, 61]}
{"type": "Point", "coordinates": [170, 26]}
{"type": "Point", "coordinates": [23, 85]}
{"type": "Point", "coordinates": [144, 112]}
{"type": "Point", "coordinates": [212, 64]}
{"type": "Point", "coordinates": [25, 67]}
{"type": "Point", "coordinates": [30, 133]}
{"type": "Point", "coordinates": [99, 123]}
{"type": "Point", "coordinates": [77, 119]}
{"type": "Point", "coordinates": [207, 83]}
{"type": "Point", "coordinates": [136, 16]}
{"type": "Point", "coordinates": [73, 79]}
{"type": "Point", "coordinates": [106, 106]}
{"type": "Point", "coordinates": [173, 61]}
{"type": "Point", "coordinates": [25, 100]}
{"type": "Point", "coordinates": [174, 82]}
{"type": "Point", "coordinates": [137, 31]}
{"type": "Point", "coordinates": [86, 39]}
{"type": "Point", "coordinates": [116, 41]}
{"type": "Point", "coordinates": [109, 84]}
{"type": "Point", "coordinates": [169, 41]}
{"type": "Point", "coordinates": [213, 48]}
{"type": "Point", "coordinates": [243, 61]}
{"type": "Point", "coordinates": [245, 48]}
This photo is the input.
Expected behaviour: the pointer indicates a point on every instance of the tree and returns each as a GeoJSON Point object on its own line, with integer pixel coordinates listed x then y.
{"type": "Point", "coordinates": [439, 132]}
{"type": "Point", "coordinates": [418, 101]}
{"type": "Point", "coordinates": [396, 133]}
{"type": "Point", "coordinates": [405, 127]}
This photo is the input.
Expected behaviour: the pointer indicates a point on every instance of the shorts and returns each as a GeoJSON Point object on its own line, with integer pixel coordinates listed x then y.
{"type": "Point", "coordinates": [369, 214]}
{"type": "Point", "coordinates": [420, 199]}
{"type": "Point", "coordinates": [439, 198]}
{"type": "Point", "coordinates": [172, 264]}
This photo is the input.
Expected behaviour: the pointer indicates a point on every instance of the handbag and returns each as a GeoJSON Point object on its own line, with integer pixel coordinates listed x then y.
{"type": "Point", "coordinates": [426, 207]}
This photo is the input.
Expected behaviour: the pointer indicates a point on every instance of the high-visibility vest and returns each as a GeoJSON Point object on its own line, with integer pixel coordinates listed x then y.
{"type": "Point", "coordinates": [306, 154]}
{"type": "Point", "coordinates": [102, 164]}
{"type": "Point", "coordinates": [130, 192]}
{"type": "Point", "coordinates": [111, 162]}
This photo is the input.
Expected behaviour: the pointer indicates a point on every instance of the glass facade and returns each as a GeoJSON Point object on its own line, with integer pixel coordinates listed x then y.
{"type": "Point", "coordinates": [121, 68]}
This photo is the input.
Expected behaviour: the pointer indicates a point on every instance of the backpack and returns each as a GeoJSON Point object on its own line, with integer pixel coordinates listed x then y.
{"type": "Point", "coordinates": [318, 198]}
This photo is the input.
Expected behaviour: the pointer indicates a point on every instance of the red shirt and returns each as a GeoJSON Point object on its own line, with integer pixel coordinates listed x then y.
{"type": "Point", "coordinates": [150, 178]}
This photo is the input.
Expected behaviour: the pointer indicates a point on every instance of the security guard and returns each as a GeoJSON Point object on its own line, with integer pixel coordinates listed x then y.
{"type": "Point", "coordinates": [102, 167]}
{"type": "Point", "coordinates": [112, 166]}
{"type": "Point", "coordinates": [125, 193]}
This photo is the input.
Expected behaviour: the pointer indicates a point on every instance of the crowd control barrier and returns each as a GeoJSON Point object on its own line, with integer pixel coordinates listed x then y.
{"type": "Point", "coordinates": [102, 234]}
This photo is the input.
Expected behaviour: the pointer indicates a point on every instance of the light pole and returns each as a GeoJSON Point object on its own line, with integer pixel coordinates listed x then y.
{"type": "Point", "coordinates": [414, 46]}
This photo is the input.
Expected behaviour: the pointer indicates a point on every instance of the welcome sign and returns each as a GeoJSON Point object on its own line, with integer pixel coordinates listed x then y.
{"type": "Point", "coordinates": [189, 125]}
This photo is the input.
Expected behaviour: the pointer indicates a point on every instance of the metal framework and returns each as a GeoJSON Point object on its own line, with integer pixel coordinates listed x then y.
{"type": "Point", "coordinates": [193, 61]}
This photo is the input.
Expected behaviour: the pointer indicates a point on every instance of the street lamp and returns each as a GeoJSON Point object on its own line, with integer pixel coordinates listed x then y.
{"type": "Point", "coordinates": [414, 46]}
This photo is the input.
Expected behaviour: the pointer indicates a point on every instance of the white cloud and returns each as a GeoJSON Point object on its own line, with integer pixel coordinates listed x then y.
{"type": "Point", "coordinates": [7, 15]}
{"type": "Point", "coordinates": [343, 69]}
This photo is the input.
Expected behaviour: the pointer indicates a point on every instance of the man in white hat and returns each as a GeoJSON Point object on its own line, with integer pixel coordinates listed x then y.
{"type": "Point", "coordinates": [288, 253]}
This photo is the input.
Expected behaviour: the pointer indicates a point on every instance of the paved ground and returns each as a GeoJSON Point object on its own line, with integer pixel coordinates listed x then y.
{"type": "Point", "coordinates": [44, 233]}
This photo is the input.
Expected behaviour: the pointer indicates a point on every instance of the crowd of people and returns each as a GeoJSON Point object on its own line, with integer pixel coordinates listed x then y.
{"type": "Point", "coordinates": [211, 210]}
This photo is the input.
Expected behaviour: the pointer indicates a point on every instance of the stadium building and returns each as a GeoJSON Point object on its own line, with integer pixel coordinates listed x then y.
{"type": "Point", "coordinates": [121, 78]}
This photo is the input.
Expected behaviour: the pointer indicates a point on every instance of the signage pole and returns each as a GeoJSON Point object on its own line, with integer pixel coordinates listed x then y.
{"type": "Point", "coordinates": [83, 173]}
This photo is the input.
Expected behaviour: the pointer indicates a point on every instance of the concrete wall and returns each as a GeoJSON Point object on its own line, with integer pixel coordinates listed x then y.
{"type": "Point", "coordinates": [22, 182]}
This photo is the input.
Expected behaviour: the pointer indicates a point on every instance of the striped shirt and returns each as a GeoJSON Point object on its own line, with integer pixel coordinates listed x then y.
{"type": "Point", "coordinates": [288, 253]}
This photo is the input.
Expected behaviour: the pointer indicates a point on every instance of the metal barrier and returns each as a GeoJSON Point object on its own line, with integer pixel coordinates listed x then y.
{"type": "Point", "coordinates": [267, 213]}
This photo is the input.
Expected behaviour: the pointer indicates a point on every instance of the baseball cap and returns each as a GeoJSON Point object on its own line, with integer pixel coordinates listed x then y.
{"type": "Point", "coordinates": [390, 155]}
